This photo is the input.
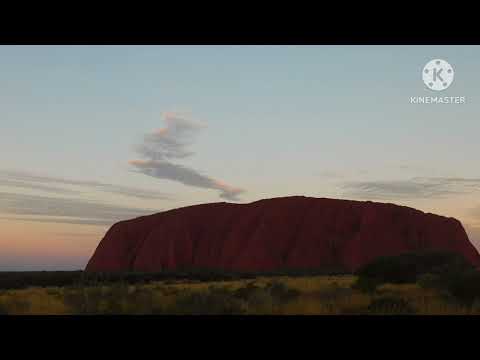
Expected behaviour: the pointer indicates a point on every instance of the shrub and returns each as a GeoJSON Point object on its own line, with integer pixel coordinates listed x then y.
{"type": "Point", "coordinates": [463, 286]}
{"type": "Point", "coordinates": [261, 300]}
{"type": "Point", "coordinates": [18, 305]}
{"type": "Point", "coordinates": [408, 267]}
{"type": "Point", "coordinates": [390, 305]}
{"type": "Point", "coordinates": [54, 292]}
{"type": "Point", "coordinates": [257, 298]}
{"type": "Point", "coordinates": [141, 301]}
{"type": "Point", "coordinates": [366, 284]}
{"type": "Point", "coordinates": [93, 300]}
{"type": "Point", "coordinates": [74, 298]}
{"type": "Point", "coordinates": [281, 292]}
{"type": "Point", "coordinates": [476, 306]}
{"type": "Point", "coordinates": [458, 284]}
{"type": "Point", "coordinates": [213, 301]}
{"type": "Point", "coordinates": [430, 281]}
{"type": "Point", "coordinates": [246, 292]}
{"type": "Point", "coordinates": [115, 298]}
{"type": "Point", "coordinates": [3, 309]}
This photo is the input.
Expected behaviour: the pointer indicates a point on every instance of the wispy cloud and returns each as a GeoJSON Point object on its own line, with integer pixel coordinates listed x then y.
{"type": "Point", "coordinates": [415, 188]}
{"type": "Point", "coordinates": [171, 143]}
{"type": "Point", "coordinates": [36, 186]}
{"type": "Point", "coordinates": [59, 185]}
{"type": "Point", "coordinates": [64, 220]}
{"type": "Point", "coordinates": [71, 211]}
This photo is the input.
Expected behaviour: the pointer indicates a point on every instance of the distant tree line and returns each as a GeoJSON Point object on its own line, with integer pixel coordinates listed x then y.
{"type": "Point", "coordinates": [24, 279]}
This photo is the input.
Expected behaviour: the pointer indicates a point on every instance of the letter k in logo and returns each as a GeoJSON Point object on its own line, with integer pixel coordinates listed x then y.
{"type": "Point", "coordinates": [436, 73]}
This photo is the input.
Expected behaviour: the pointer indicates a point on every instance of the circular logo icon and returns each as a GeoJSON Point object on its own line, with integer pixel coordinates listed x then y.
{"type": "Point", "coordinates": [438, 74]}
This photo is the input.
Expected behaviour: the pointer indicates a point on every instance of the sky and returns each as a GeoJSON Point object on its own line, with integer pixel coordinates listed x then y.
{"type": "Point", "coordinates": [91, 135]}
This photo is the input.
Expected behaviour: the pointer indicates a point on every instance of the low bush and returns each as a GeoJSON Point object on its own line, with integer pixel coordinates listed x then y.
{"type": "Point", "coordinates": [214, 301]}
{"type": "Point", "coordinates": [366, 284]}
{"type": "Point", "coordinates": [430, 281]}
{"type": "Point", "coordinates": [256, 297]}
{"type": "Point", "coordinates": [463, 286]}
{"type": "Point", "coordinates": [246, 292]}
{"type": "Point", "coordinates": [390, 305]}
{"type": "Point", "coordinates": [448, 273]}
{"type": "Point", "coordinates": [116, 298]}
{"type": "Point", "coordinates": [408, 267]}
{"type": "Point", "coordinates": [3, 309]}
{"type": "Point", "coordinates": [93, 299]}
{"type": "Point", "coordinates": [17, 305]}
{"type": "Point", "coordinates": [74, 298]}
{"type": "Point", "coordinates": [281, 292]}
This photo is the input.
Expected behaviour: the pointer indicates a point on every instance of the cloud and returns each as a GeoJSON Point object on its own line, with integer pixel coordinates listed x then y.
{"type": "Point", "coordinates": [33, 186]}
{"type": "Point", "coordinates": [425, 188]}
{"type": "Point", "coordinates": [61, 210]}
{"type": "Point", "coordinates": [64, 220]}
{"type": "Point", "coordinates": [171, 143]}
{"type": "Point", "coordinates": [38, 182]}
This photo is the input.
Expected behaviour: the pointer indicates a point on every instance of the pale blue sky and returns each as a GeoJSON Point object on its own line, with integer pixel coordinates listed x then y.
{"type": "Point", "coordinates": [280, 120]}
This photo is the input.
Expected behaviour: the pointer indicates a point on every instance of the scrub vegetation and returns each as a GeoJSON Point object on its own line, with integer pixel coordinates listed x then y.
{"type": "Point", "coordinates": [422, 284]}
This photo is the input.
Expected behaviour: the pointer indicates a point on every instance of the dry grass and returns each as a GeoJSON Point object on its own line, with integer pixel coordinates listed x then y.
{"type": "Point", "coordinates": [317, 295]}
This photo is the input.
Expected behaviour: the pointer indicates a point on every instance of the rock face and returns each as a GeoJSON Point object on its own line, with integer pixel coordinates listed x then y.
{"type": "Point", "coordinates": [273, 234]}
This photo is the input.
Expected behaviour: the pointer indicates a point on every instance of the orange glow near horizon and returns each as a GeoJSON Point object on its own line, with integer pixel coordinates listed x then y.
{"type": "Point", "coordinates": [34, 243]}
